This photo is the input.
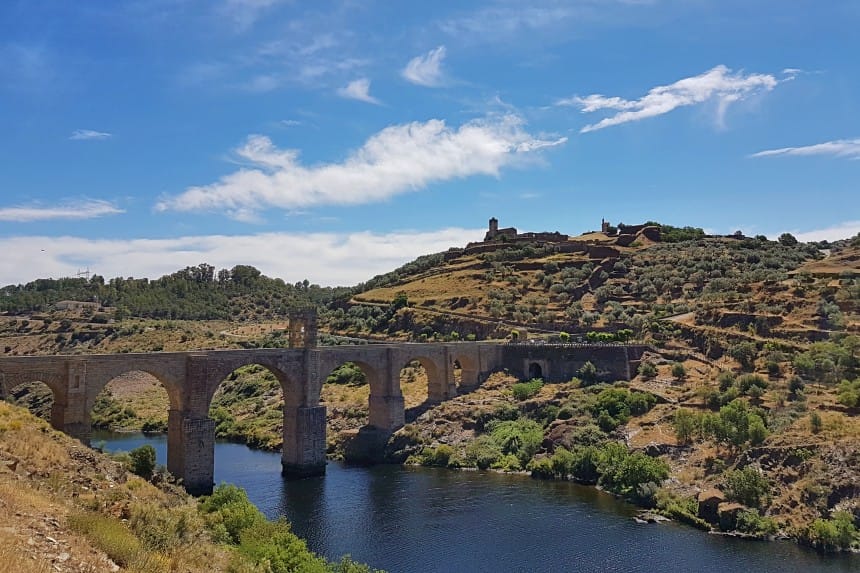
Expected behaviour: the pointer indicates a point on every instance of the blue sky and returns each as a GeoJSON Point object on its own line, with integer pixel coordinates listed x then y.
{"type": "Point", "coordinates": [336, 140]}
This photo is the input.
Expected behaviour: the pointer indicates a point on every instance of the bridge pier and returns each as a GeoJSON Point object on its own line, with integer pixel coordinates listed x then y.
{"type": "Point", "coordinates": [387, 412]}
{"type": "Point", "coordinates": [191, 451]}
{"type": "Point", "coordinates": [303, 452]}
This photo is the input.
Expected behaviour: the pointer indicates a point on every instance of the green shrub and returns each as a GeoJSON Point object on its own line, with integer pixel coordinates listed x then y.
{"type": "Point", "coordinates": [541, 468]}
{"type": "Point", "coordinates": [521, 438]}
{"type": "Point", "coordinates": [747, 486]}
{"type": "Point", "coordinates": [347, 374]}
{"type": "Point", "coordinates": [849, 393]}
{"type": "Point", "coordinates": [483, 452]}
{"type": "Point", "coordinates": [678, 371]}
{"type": "Point", "coordinates": [437, 457]}
{"type": "Point", "coordinates": [749, 521]}
{"type": "Point", "coordinates": [647, 370]}
{"type": "Point", "coordinates": [831, 535]}
{"type": "Point", "coordinates": [228, 511]}
{"type": "Point", "coordinates": [142, 461]}
{"type": "Point", "coordinates": [525, 390]}
{"type": "Point", "coordinates": [275, 545]}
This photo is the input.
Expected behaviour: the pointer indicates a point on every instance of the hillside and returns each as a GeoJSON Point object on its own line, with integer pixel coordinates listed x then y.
{"type": "Point", "coordinates": [68, 508]}
{"type": "Point", "coordinates": [754, 370]}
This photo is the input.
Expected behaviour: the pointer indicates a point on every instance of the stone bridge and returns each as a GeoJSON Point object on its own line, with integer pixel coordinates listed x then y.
{"type": "Point", "coordinates": [191, 378]}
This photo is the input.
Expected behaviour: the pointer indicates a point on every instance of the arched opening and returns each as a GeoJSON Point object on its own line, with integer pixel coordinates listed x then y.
{"type": "Point", "coordinates": [132, 401]}
{"type": "Point", "coordinates": [416, 378]}
{"type": "Point", "coordinates": [35, 396]}
{"type": "Point", "coordinates": [465, 372]}
{"type": "Point", "coordinates": [457, 373]}
{"type": "Point", "coordinates": [535, 371]}
{"type": "Point", "coordinates": [248, 407]}
{"type": "Point", "coordinates": [346, 396]}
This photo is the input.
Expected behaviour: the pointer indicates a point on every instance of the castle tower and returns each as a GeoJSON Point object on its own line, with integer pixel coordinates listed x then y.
{"type": "Point", "coordinates": [493, 231]}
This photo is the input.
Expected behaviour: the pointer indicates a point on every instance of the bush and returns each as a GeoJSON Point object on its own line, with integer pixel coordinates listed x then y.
{"type": "Point", "coordinates": [747, 486]}
{"type": "Point", "coordinates": [588, 373]}
{"type": "Point", "coordinates": [647, 370]}
{"type": "Point", "coordinates": [521, 438]}
{"type": "Point", "coordinates": [849, 393]}
{"type": "Point", "coordinates": [749, 521]}
{"type": "Point", "coordinates": [678, 371]}
{"type": "Point", "coordinates": [525, 390]}
{"type": "Point", "coordinates": [831, 535]}
{"type": "Point", "coordinates": [142, 461]}
{"type": "Point", "coordinates": [815, 422]}
{"type": "Point", "coordinates": [348, 374]}
{"type": "Point", "coordinates": [483, 452]}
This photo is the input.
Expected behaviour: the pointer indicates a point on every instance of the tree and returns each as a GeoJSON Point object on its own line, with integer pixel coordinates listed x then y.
{"type": "Point", "coordinates": [647, 370]}
{"type": "Point", "coordinates": [143, 461]}
{"type": "Point", "coordinates": [685, 423]}
{"type": "Point", "coordinates": [747, 486]}
{"type": "Point", "coordinates": [787, 240]}
{"type": "Point", "coordinates": [564, 337]}
{"type": "Point", "coordinates": [678, 371]}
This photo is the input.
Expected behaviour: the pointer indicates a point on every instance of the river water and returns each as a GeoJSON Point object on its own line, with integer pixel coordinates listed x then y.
{"type": "Point", "coordinates": [405, 519]}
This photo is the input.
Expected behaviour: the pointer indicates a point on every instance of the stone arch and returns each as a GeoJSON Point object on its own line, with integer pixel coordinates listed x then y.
{"type": "Point", "coordinates": [291, 390]}
{"type": "Point", "coordinates": [536, 370]}
{"type": "Point", "coordinates": [104, 387]}
{"type": "Point", "coordinates": [468, 370]}
{"type": "Point", "coordinates": [436, 385]}
{"type": "Point", "coordinates": [34, 395]}
{"type": "Point", "coordinates": [52, 380]}
{"type": "Point", "coordinates": [333, 398]}
{"type": "Point", "coordinates": [96, 386]}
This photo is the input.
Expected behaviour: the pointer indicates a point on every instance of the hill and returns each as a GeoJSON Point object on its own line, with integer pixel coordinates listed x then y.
{"type": "Point", "coordinates": [754, 368]}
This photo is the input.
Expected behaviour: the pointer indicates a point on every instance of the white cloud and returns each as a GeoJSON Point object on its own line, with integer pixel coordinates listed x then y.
{"type": "Point", "coordinates": [849, 148]}
{"type": "Point", "coordinates": [396, 160]}
{"type": "Point", "coordinates": [839, 231]}
{"type": "Point", "coordinates": [324, 258]}
{"type": "Point", "coordinates": [719, 84]}
{"type": "Point", "coordinates": [86, 134]}
{"type": "Point", "coordinates": [87, 209]}
{"type": "Point", "coordinates": [358, 89]}
{"type": "Point", "coordinates": [426, 70]}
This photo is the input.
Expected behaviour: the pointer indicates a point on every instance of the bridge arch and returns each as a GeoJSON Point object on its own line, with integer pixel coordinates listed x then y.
{"type": "Point", "coordinates": [464, 370]}
{"type": "Point", "coordinates": [55, 404]}
{"type": "Point", "coordinates": [148, 387]}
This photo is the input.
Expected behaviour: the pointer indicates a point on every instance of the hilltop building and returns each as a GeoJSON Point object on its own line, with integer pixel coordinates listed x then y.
{"type": "Point", "coordinates": [511, 234]}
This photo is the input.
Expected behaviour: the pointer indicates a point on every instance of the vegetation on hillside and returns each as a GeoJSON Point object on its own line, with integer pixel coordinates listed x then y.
{"type": "Point", "coordinates": [56, 493]}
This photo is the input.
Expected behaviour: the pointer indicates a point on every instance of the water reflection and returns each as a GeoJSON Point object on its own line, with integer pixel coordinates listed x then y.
{"type": "Point", "coordinates": [430, 520]}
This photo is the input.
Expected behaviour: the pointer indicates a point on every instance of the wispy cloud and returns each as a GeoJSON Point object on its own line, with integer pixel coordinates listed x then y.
{"type": "Point", "coordinates": [426, 70]}
{"type": "Point", "coordinates": [88, 134]}
{"type": "Point", "coordinates": [323, 258]}
{"type": "Point", "coordinates": [849, 148]}
{"type": "Point", "coordinates": [719, 84]}
{"type": "Point", "coordinates": [244, 13]}
{"type": "Point", "coordinates": [358, 89]}
{"type": "Point", "coordinates": [836, 232]}
{"type": "Point", "coordinates": [396, 160]}
{"type": "Point", "coordinates": [25, 68]}
{"type": "Point", "coordinates": [502, 20]}
{"type": "Point", "coordinates": [85, 209]}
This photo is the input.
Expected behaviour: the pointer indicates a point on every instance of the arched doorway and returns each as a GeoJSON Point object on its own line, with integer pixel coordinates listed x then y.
{"type": "Point", "coordinates": [535, 371]}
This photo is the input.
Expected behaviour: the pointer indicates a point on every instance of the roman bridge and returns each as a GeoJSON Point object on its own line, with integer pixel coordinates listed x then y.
{"type": "Point", "coordinates": [191, 379]}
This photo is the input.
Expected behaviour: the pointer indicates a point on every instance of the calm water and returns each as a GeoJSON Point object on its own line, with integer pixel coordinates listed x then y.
{"type": "Point", "coordinates": [419, 519]}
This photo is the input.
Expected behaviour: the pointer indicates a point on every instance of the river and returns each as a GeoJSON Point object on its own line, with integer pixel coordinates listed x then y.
{"type": "Point", "coordinates": [406, 519]}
